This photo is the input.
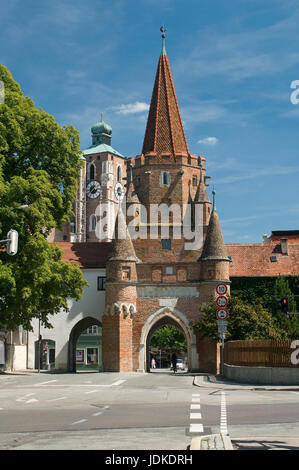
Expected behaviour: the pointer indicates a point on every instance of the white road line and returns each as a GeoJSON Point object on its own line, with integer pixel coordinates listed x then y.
{"type": "Point", "coordinates": [196, 394]}
{"type": "Point", "coordinates": [56, 399]}
{"type": "Point", "coordinates": [91, 391]}
{"type": "Point", "coordinates": [196, 428]}
{"type": "Point", "coordinates": [195, 407]}
{"type": "Point", "coordinates": [24, 398]}
{"type": "Point", "coordinates": [32, 400]}
{"type": "Point", "coordinates": [223, 418]}
{"type": "Point", "coordinates": [195, 400]}
{"type": "Point", "coordinates": [44, 383]}
{"type": "Point", "coordinates": [195, 415]}
{"type": "Point", "coordinates": [119, 382]}
{"type": "Point", "coordinates": [97, 414]}
{"type": "Point", "coordinates": [78, 422]}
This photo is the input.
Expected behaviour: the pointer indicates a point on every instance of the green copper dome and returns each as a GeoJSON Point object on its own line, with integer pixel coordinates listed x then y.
{"type": "Point", "coordinates": [101, 133]}
{"type": "Point", "coordinates": [101, 128]}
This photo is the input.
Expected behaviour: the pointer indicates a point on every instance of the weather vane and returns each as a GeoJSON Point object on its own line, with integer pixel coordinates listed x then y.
{"type": "Point", "coordinates": [163, 31]}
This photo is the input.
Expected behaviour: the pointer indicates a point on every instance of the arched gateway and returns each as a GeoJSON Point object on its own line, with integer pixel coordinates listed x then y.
{"type": "Point", "coordinates": [162, 317]}
{"type": "Point", "coordinates": [74, 336]}
{"type": "Point", "coordinates": [167, 274]}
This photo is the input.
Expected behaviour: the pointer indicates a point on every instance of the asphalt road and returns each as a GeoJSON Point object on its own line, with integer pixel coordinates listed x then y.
{"type": "Point", "coordinates": [117, 411]}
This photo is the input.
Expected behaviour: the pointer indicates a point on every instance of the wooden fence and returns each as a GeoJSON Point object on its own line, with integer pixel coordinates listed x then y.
{"type": "Point", "coordinates": [263, 353]}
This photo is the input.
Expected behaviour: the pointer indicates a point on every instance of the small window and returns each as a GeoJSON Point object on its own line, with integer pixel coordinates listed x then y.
{"type": "Point", "coordinates": [101, 283]}
{"type": "Point", "coordinates": [80, 355]}
{"type": "Point", "coordinates": [92, 356]}
{"type": "Point", "coordinates": [93, 223]}
{"type": "Point", "coordinates": [166, 244]}
{"type": "Point", "coordinates": [119, 174]}
{"type": "Point", "coordinates": [91, 172]}
{"type": "Point", "coordinates": [165, 178]}
{"type": "Point", "coordinates": [194, 180]}
{"type": "Point", "coordinates": [273, 259]}
{"type": "Point", "coordinates": [92, 330]}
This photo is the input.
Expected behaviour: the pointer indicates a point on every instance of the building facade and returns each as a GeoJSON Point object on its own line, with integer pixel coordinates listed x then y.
{"type": "Point", "coordinates": [149, 242]}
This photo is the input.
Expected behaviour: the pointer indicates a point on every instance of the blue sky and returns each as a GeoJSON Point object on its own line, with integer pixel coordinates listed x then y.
{"type": "Point", "coordinates": [232, 62]}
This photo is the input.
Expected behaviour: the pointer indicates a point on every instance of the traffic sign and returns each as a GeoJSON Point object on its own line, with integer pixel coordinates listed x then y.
{"type": "Point", "coordinates": [221, 301]}
{"type": "Point", "coordinates": [222, 326]}
{"type": "Point", "coordinates": [221, 289]}
{"type": "Point", "coordinates": [222, 314]}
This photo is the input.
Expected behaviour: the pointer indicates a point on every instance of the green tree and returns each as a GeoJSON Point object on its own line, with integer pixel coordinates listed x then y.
{"type": "Point", "coordinates": [245, 321]}
{"type": "Point", "coordinates": [288, 324]}
{"type": "Point", "coordinates": [39, 165]}
{"type": "Point", "coordinates": [169, 337]}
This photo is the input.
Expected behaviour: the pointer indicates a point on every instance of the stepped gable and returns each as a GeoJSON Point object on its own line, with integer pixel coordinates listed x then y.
{"type": "Point", "coordinates": [164, 134]}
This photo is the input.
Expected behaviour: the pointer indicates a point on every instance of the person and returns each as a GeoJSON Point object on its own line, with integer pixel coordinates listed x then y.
{"type": "Point", "coordinates": [153, 363]}
{"type": "Point", "coordinates": [173, 361]}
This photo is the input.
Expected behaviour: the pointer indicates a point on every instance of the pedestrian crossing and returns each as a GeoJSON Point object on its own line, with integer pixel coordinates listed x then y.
{"type": "Point", "coordinates": [195, 415]}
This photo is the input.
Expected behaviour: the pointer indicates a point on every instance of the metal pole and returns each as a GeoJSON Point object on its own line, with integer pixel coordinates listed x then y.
{"type": "Point", "coordinates": [39, 345]}
{"type": "Point", "coordinates": [222, 353]}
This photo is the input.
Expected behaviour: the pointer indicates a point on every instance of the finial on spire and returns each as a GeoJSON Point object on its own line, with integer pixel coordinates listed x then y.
{"type": "Point", "coordinates": [101, 117]}
{"type": "Point", "coordinates": [201, 174]}
{"type": "Point", "coordinates": [214, 199]}
{"type": "Point", "coordinates": [163, 31]}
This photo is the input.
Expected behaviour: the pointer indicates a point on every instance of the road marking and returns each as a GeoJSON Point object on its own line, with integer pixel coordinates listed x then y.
{"type": "Point", "coordinates": [119, 382]}
{"type": "Point", "coordinates": [195, 407]}
{"type": "Point", "coordinates": [78, 422]}
{"type": "Point", "coordinates": [196, 428]}
{"type": "Point", "coordinates": [24, 398]}
{"type": "Point", "coordinates": [195, 415]}
{"type": "Point", "coordinates": [56, 399]}
{"type": "Point", "coordinates": [223, 418]}
{"type": "Point", "coordinates": [32, 400]}
{"type": "Point", "coordinates": [91, 391]}
{"type": "Point", "coordinates": [97, 414]}
{"type": "Point", "coordinates": [195, 400]}
{"type": "Point", "coordinates": [196, 394]}
{"type": "Point", "coordinates": [44, 383]}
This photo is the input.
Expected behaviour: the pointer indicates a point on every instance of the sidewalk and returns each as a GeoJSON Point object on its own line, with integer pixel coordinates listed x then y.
{"type": "Point", "coordinates": [212, 442]}
{"type": "Point", "coordinates": [212, 381]}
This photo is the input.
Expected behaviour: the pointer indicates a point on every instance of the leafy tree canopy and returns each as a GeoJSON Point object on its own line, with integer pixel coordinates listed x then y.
{"type": "Point", "coordinates": [169, 337]}
{"type": "Point", "coordinates": [245, 322]}
{"type": "Point", "coordinates": [39, 166]}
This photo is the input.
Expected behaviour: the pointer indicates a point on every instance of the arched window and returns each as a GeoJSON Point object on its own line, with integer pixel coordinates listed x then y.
{"type": "Point", "coordinates": [92, 172]}
{"type": "Point", "coordinates": [119, 174]}
{"type": "Point", "coordinates": [93, 223]}
{"type": "Point", "coordinates": [165, 178]}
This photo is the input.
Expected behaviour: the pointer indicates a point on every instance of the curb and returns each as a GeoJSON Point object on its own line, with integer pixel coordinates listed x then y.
{"type": "Point", "coordinates": [212, 442]}
{"type": "Point", "coordinates": [208, 382]}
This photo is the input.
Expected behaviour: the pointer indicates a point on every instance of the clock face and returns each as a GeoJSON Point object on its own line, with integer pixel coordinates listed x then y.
{"type": "Point", "coordinates": [119, 191]}
{"type": "Point", "coordinates": [93, 189]}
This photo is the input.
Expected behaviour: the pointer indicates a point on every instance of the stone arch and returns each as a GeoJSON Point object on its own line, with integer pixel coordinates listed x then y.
{"type": "Point", "coordinates": [164, 316]}
{"type": "Point", "coordinates": [74, 335]}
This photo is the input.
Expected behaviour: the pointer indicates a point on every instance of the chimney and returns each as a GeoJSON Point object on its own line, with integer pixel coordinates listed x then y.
{"type": "Point", "coordinates": [284, 246]}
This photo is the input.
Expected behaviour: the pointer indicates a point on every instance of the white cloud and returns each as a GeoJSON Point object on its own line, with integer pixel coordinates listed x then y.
{"type": "Point", "coordinates": [209, 141]}
{"type": "Point", "coordinates": [131, 108]}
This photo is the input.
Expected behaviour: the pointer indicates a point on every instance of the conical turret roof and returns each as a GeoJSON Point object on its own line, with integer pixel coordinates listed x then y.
{"type": "Point", "coordinates": [122, 248]}
{"type": "Point", "coordinates": [164, 131]}
{"type": "Point", "coordinates": [214, 248]}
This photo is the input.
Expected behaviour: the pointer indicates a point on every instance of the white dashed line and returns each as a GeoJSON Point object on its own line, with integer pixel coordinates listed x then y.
{"type": "Point", "coordinates": [44, 383]}
{"type": "Point", "coordinates": [119, 382]}
{"type": "Point", "coordinates": [195, 415]}
{"type": "Point", "coordinates": [223, 419]}
{"type": "Point", "coordinates": [91, 391]}
{"type": "Point", "coordinates": [78, 422]}
{"type": "Point", "coordinates": [98, 413]}
{"type": "Point", "coordinates": [195, 407]}
{"type": "Point", "coordinates": [56, 399]}
{"type": "Point", "coordinates": [196, 428]}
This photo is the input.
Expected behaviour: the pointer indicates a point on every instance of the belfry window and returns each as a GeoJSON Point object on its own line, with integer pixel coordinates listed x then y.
{"type": "Point", "coordinates": [91, 172]}
{"type": "Point", "coordinates": [93, 223]}
{"type": "Point", "coordinates": [165, 178]}
{"type": "Point", "coordinates": [119, 174]}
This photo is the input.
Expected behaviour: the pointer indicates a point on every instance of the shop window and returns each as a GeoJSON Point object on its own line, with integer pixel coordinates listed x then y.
{"type": "Point", "coordinates": [92, 356]}
{"type": "Point", "coordinates": [101, 283]}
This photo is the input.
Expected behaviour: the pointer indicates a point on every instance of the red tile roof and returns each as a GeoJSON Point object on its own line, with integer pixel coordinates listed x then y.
{"type": "Point", "coordinates": [164, 132]}
{"type": "Point", "coordinates": [86, 255]}
{"type": "Point", "coordinates": [255, 259]}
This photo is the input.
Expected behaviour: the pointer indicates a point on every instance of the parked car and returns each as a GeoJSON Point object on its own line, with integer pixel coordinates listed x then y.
{"type": "Point", "coordinates": [179, 364]}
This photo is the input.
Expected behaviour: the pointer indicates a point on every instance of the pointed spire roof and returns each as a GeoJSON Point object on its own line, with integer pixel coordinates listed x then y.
{"type": "Point", "coordinates": [131, 196]}
{"type": "Point", "coordinates": [214, 248]}
{"type": "Point", "coordinates": [121, 246]}
{"type": "Point", "coordinates": [201, 193]}
{"type": "Point", "coordinates": [164, 132]}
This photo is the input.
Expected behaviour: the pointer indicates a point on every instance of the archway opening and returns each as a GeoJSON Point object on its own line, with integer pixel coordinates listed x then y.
{"type": "Point", "coordinates": [165, 338]}
{"type": "Point", "coordinates": [85, 346]}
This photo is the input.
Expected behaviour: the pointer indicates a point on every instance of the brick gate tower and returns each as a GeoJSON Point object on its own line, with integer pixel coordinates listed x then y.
{"type": "Point", "coordinates": [168, 270]}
